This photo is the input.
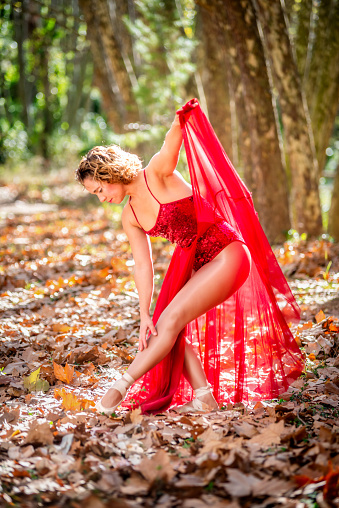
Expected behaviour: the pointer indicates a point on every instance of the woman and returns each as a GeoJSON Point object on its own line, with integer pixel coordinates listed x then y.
{"type": "Point", "coordinates": [211, 264]}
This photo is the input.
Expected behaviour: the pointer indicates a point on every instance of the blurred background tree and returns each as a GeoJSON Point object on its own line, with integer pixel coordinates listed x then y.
{"type": "Point", "coordinates": [83, 72]}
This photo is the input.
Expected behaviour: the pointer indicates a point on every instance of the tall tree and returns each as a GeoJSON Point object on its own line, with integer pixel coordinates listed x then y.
{"type": "Point", "coordinates": [298, 135]}
{"type": "Point", "coordinates": [213, 72]}
{"type": "Point", "coordinates": [264, 171]}
{"type": "Point", "coordinates": [333, 219]}
{"type": "Point", "coordinates": [302, 20]}
{"type": "Point", "coordinates": [322, 79]}
{"type": "Point", "coordinates": [113, 71]}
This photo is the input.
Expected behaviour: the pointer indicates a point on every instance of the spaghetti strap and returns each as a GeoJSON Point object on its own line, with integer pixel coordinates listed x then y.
{"type": "Point", "coordinates": [136, 218]}
{"type": "Point", "coordinates": [150, 189]}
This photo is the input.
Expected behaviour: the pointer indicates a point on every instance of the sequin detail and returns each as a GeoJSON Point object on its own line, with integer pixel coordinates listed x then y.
{"type": "Point", "coordinates": [177, 222]}
{"type": "Point", "coordinates": [213, 241]}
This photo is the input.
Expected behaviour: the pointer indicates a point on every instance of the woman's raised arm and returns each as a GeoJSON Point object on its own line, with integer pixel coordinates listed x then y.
{"type": "Point", "coordinates": [143, 276]}
{"type": "Point", "coordinates": [165, 161]}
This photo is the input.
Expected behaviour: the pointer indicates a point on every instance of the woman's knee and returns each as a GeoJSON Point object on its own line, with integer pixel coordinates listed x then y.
{"type": "Point", "coordinates": [172, 321]}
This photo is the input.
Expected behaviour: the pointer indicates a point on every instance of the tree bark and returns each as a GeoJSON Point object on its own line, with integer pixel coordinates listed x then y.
{"type": "Point", "coordinates": [298, 136]}
{"type": "Point", "coordinates": [303, 39]}
{"type": "Point", "coordinates": [112, 76]}
{"type": "Point", "coordinates": [74, 96]}
{"type": "Point", "coordinates": [333, 217]}
{"type": "Point", "coordinates": [322, 85]}
{"type": "Point", "coordinates": [20, 26]}
{"type": "Point", "coordinates": [267, 175]}
{"type": "Point", "coordinates": [241, 139]}
{"type": "Point", "coordinates": [212, 69]}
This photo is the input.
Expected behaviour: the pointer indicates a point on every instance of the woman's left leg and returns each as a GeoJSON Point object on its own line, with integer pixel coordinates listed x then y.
{"type": "Point", "coordinates": [211, 285]}
{"type": "Point", "coordinates": [195, 375]}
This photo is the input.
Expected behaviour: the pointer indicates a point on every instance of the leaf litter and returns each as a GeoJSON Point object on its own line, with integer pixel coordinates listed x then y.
{"type": "Point", "coordinates": [69, 327]}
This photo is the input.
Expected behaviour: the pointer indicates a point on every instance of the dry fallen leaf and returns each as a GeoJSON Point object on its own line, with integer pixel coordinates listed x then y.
{"type": "Point", "coordinates": [157, 467]}
{"type": "Point", "coordinates": [39, 433]}
{"type": "Point", "coordinates": [269, 435]}
{"type": "Point", "coordinates": [320, 316]}
{"type": "Point", "coordinates": [71, 402]}
{"type": "Point", "coordinates": [64, 374]}
{"type": "Point", "coordinates": [136, 416]}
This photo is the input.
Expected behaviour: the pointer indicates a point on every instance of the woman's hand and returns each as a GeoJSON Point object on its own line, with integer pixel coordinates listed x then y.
{"type": "Point", "coordinates": [146, 326]}
{"type": "Point", "coordinates": [188, 107]}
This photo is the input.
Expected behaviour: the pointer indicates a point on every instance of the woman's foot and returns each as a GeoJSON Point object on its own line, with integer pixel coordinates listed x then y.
{"type": "Point", "coordinates": [111, 398]}
{"type": "Point", "coordinates": [204, 401]}
{"type": "Point", "coordinates": [115, 395]}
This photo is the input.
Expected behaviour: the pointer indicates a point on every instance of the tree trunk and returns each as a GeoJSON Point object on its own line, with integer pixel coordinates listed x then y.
{"type": "Point", "coordinates": [333, 217]}
{"type": "Point", "coordinates": [298, 137]}
{"type": "Point", "coordinates": [20, 26]}
{"type": "Point", "coordinates": [241, 139]}
{"type": "Point", "coordinates": [212, 69]}
{"type": "Point", "coordinates": [47, 115]}
{"type": "Point", "coordinates": [269, 184]}
{"type": "Point", "coordinates": [112, 76]}
{"type": "Point", "coordinates": [303, 39]}
{"type": "Point", "coordinates": [74, 96]}
{"type": "Point", "coordinates": [322, 85]}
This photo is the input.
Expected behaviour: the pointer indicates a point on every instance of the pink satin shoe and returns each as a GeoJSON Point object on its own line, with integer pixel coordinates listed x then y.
{"type": "Point", "coordinates": [122, 386]}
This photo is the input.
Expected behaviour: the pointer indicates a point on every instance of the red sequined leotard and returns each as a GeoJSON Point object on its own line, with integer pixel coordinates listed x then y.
{"type": "Point", "coordinates": [177, 222]}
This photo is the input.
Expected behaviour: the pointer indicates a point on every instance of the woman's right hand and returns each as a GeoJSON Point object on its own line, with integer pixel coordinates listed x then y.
{"type": "Point", "coordinates": [146, 326]}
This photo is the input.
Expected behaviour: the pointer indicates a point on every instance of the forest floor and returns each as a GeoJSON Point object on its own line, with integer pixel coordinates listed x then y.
{"type": "Point", "coordinates": [69, 325]}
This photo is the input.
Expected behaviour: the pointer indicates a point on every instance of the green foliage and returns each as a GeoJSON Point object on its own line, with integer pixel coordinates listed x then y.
{"type": "Point", "coordinates": [49, 106]}
{"type": "Point", "coordinates": [165, 55]}
{"type": "Point", "coordinates": [42, 56]}
{"type": "Point", "coordinates": [163, 44]}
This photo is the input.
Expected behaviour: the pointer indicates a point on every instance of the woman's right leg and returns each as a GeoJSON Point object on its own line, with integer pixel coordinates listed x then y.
{"type": "Point", "coordinates": [211, 285]}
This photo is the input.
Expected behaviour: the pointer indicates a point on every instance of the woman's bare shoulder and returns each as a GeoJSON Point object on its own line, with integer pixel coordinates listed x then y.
{"type": "Point", "coordinates": [129, 222]}
{"type": "Point", "coordinates": [126, 215]}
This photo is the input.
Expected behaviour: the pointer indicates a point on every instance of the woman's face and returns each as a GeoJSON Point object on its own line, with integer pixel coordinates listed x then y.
{"type": "Point", "coordinates": [110, 192]}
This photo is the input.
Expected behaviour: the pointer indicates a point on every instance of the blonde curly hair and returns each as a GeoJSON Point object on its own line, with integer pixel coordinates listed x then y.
{"type": "Point", "coordinates": [109, 164]}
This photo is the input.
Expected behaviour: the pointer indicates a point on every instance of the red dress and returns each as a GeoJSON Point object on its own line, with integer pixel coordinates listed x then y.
{"type": "Point", "coordinates": [177, 222]}
{"type": "Point", "coordinates": [245, 344]}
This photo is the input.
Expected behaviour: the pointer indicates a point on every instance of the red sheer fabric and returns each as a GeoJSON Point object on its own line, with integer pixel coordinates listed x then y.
{"type": "Point", "coordinates": [246, 347]}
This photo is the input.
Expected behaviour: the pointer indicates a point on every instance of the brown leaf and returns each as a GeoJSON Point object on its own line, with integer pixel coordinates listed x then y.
{"type": "Point", "coordinates": [269, 435]}
{"type": "Point", "coordinates": [89, 369]}
{"type": "Point", "coordinates": [71, 402]}
{"type": "Point", "coordinates": [191, 481]}
{"type": "Point", "coordinates": [39, 433]}
{"type": "Point", "coordinates": [239, 484]}
{"type": "Point", "coordinates": [274, 487]}
{"type": "Point", "coordinates": [64, 374]}
{"type": "Point", "coordinates": [245, 429]}
{"type": "Point", "coordinates": [84, 354]}
{"type": "Point", "coordinates": [157, 467]}
{"type": "Point", "coordinates": [60, 328]}
{"type": "Point", "coordinates": [135, 486]}
{"type": "Point", "coordinates": [320, 316]}
{"type": "Point", "coordinates": [5, 380]}
{"type": "Point", "coordinates": [306, 326]}
{"type": "Point", "coordinates": [10, 416]}
{"type": "Point", "coordinates": [136, 416]}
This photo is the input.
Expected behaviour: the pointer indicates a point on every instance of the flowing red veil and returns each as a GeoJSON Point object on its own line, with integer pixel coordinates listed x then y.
{"type": "Point", "coordinates": [246, 347]}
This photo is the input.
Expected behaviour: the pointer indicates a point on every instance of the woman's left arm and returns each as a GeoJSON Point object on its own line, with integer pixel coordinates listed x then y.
{"type": "Point", "coordinates": [165, 161]}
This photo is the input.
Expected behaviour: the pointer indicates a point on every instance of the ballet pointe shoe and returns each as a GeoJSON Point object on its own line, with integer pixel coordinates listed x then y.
{"type": "Point", "coordinates": [196, 405]}
{"type": "Point", "coordinates": [122, 385]}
